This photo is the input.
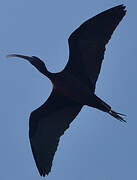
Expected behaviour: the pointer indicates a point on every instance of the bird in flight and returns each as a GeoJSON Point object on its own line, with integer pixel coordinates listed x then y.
{"type": "Point", "coordinates": [73, 87]}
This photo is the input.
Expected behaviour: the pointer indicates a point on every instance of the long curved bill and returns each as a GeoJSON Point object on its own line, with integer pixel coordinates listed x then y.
{"type": "Point", "coordinates": [18, 55]}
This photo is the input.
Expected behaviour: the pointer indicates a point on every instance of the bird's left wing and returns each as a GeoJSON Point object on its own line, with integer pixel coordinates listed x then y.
{"type": "Point", "coordinates": [46, 125]}
{"type": "Point", "coordinates": [87, 44]}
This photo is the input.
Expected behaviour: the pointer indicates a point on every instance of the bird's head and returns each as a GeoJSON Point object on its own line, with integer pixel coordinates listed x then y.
{"type": "Point", "coordinates": [35, 61]}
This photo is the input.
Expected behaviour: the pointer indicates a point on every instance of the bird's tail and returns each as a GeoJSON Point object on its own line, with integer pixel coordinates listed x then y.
{"type": "Point", "coordinates": [116, 115]}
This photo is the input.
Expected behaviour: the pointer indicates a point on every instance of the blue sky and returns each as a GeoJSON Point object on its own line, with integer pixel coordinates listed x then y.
{"type": "Point", "coordinates": [96, 146]}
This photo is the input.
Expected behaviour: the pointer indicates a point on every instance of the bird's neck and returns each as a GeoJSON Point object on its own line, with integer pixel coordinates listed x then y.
{"type": "Point", "coordinates": [47, 74]}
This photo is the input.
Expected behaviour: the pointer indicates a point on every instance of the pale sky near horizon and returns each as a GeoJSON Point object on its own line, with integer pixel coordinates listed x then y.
{"type": "Point", "coordinates": [96, 146]}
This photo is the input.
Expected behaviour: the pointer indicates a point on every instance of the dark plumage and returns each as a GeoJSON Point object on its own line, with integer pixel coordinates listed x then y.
{"type": "Point", "coordinates": [73, 87]}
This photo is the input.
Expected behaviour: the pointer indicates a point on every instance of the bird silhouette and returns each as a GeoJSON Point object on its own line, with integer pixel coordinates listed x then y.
{"type": "Point", "coordinates": [73, 87]}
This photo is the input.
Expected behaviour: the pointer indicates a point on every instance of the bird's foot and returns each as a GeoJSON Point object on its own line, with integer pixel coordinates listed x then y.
{"type": "Point", "coordinates": [118, 116]}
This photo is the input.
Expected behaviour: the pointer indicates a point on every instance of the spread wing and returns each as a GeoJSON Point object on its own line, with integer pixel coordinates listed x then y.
{"type": "Point", "coordinates": [87, 44]}
{"type": "Point", "coordinates": [46, 125]}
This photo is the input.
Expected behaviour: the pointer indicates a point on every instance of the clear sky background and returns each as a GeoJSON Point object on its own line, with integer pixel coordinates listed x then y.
{"type": "Point", "coordinates": [96, 146]}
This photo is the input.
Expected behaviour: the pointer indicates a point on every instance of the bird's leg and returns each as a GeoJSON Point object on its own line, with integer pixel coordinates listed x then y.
{"type": "Point", "coordinates": [96, 102]}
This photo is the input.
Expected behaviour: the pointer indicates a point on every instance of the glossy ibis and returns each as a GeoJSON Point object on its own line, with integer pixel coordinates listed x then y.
{"type": "Point", "coordinates": [73, 87]}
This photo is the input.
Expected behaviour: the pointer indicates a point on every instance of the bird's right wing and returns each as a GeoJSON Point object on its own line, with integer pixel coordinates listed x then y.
{"type": "Point", "coordinates": [47, 124]}
{"type": "Point", "coordinates": [87, 44]}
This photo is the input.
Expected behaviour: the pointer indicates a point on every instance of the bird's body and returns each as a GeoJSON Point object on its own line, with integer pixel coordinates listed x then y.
{"type": "Point", "coordinates": [73, 87]}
